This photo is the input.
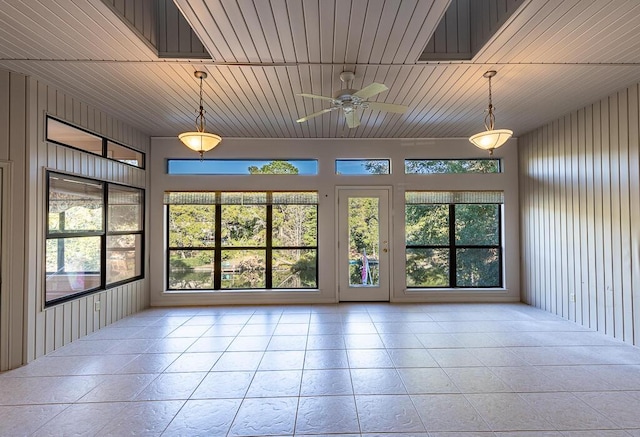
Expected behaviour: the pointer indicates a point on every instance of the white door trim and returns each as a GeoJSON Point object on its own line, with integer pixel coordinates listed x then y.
{"type": "Point", "coordinates": [386, 270]}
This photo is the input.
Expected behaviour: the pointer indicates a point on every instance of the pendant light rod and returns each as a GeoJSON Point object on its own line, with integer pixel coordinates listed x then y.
{"type": "Point", "coordinates": [490, 117]}
{"type": "Point", "coordinates": [201, 122]}
{"type": "Point", "coordinates": [200, 141]}
{"type": "Point", "coordinates": [492, 138]}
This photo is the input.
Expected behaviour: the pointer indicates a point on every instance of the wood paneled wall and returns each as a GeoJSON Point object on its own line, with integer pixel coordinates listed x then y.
{"type": "Point", "coordinates": [580, 216]}
{"type": "Point", "coordinates": [13, 120]}
{"type": "Point", "coordinates": [466, 27]}
{"type": "Point", "coordinates": [488, 17]}
{"type": "Point", "coordinates": [34, 330]}
{"type": "Point", "coordinates": [451, 39]}
{"type": "Point", "coordinates": [175, 36]}
{"type": "Point", "coordinates": [142, 15]}
{"type": "Point", "coordinates": [162, 26]}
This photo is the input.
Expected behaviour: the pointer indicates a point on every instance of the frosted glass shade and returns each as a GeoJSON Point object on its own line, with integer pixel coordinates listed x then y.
{"type": "Point", "coordinates": [491, 139]}
{"type": "Point", "coordinates": [200, 141]}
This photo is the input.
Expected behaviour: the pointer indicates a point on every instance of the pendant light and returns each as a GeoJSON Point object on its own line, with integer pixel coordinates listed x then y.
{"type": "Point", "coordinates": [200, 141]}
{"type": "Point", "coordinates": [491, 138]}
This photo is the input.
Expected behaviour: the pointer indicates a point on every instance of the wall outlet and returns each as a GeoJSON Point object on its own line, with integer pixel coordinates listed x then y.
{"type": "Point", "coordinates": [572, 297]}
{"type": "Point", "coordinates": [97, 306]}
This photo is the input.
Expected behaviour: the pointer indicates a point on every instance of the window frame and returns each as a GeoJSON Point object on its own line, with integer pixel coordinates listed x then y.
{"type": "Point", "coordinates": [105, 141]}
{"type": "Point", "coordinates": [452, 247]}
{"type": "Point", "coordinates": [362, 161]}
{"type": "Point", "coordinates": [103, 234]}
{"type": "Point", "coordinates": [263, 161]}
{"type": "Point", "coordinates": [498, 162]}
{"type": "Point", "coordinates": [218, 248]}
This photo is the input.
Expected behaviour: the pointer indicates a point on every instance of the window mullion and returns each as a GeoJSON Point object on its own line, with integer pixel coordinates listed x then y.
{"type": "Point", "coordinates": [452, 246]}
{"type": "Point", "coordinates": [217, 250]}
{"type": "Point", "coordinates": [103, 237]}
{"type": "Point", "coordinates": [268, 251]}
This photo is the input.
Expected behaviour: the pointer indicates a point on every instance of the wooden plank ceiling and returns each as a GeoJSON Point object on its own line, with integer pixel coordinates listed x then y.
{"type": "Point", "coordinates": [551, 57]}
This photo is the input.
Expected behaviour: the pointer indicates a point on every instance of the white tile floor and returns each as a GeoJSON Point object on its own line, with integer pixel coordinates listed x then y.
{"type": "Point", "coordinates": [350, 369]}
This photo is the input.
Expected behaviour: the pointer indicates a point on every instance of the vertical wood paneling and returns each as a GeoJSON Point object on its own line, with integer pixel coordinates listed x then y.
{"type": "Point", "coordinates": [5, 110]}
{"type": "Point", "coordinates": [139, 14]}
{"type": "Point", "coordinates": [75, 320]}
{"type": "Point", "coordinates": [576, 260]}
{"type": "Point", "coordinates": [606, 215]}
{"type": "Point", "coordinates": [13, 136]}
{"type": "Point", "coordinates": [625, 215]}
{"type": "Point", "coordinates": [616, 243]}
{"type": "Point", "coordinates": [451, 38]}
{"type": "Point", "coordinates": [35, 330]}
{"type": "Point", "coordinates": [175, 36]}
{"type": "Point", "coordinates": [590, 248]}
{"type": "Point", "coordinates": [599, 218]}
{"type": "Point", "coordinates": [49, 331]}
{"type": "Point", "coordinates": [580, 196]}
{"type": "Point", "coordinates": [634, 192]}
{"type": "Point", "coordinates": [492, 16]}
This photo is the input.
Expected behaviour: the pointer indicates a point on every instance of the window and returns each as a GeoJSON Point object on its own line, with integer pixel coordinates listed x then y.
{"type": "Point", "coordinates": [362, 166]}
{"type": "Point", "coordinates": [124, 154]}
{"type": "Point", "coordinates": [453, 239]}
{"type": "Point", "coordinates": [94, 236]}
{"type": "Point", "coordinates": [242, 240]}
{"type": "Point", "coordinates": [242, 166]}
{"type": "Point", "coordinates": [441, 166]}
{"type": "Point", "coordinates": [67, 135]}
{"type": "Point", "coordinates": [124, 234]}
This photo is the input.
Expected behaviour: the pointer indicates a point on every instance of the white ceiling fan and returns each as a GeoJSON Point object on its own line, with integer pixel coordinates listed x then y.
{"type": "Point", "coordinates": [352, 102]}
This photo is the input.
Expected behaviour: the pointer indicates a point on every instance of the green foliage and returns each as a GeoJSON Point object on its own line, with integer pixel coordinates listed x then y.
{"type": "Point", "coordinates": [244, 225]}
{"type": "Point", "coordinates": [76, 218]}
{"type": "Point", "coordinates": [478, 268]}
{"type": "Point", "coordinates": [363, 227]}
{"type": "Point", "coordinates": [275, 167]}
{"type": "Point", "coordinates": [376, 166]}
{"type": "Point", "coordinates": [439, 166]}
{"type": "Point", "coordinates": [193, 227]}
{"type": "Point", "coordinates": [295, 225]}
{"type": "Point", "coordinates": [475, 225]}
{"type": "Point", "coordinates": [305, 269]}
{"type": "Point", "coordinates": [427, 225]}
{"type": "Point", "coordinates": [427, 267]}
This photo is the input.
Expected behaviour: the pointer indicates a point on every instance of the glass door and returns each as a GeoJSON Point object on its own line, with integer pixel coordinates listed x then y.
{"type": "Point", "coordinates": [363, 244]}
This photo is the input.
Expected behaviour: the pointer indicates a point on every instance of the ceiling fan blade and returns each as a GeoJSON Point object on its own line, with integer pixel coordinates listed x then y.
{"type": "Point", "coordinates": [315, 114]}
{"type": "Point", "coordinates": [314, 96]}
{"type": "Point", "coordinates": [353, 119]}
{"type": "Point", "coordinates": [388, 107]}
{"type": "Point", "coordinates": [371, 90]}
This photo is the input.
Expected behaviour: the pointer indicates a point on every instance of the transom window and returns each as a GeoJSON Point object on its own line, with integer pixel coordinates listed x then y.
{"type": "Point", "coordinates": [67, 135]}
{"type": "Point", "coordinates": [444, 166]}
{"type": "Point", "coordinates": [453, 239]}
{"type": "Point", "coordinates": [363, 166]}
{"type": "Point", "coordinates": [242, 240]}
{"type": "Point", "coordinates": [302, 167]}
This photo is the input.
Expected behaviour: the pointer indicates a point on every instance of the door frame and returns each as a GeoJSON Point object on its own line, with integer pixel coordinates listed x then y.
{"type": "Point", "coordinates": [389, 190]}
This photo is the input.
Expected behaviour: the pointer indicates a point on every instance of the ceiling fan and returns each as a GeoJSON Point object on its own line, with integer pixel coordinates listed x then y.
{"type": "Point", "coordinates": [352, 102]}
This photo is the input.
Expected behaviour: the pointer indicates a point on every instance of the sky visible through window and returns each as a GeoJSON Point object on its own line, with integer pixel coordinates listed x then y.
{"type": "Point", "coordinates": [362, 166]}
{"type": "Point", "coordinates": [234, 166]}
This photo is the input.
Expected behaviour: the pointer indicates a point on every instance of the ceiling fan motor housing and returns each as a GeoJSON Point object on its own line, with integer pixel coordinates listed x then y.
{"type": "Point", "coordinates": [346, 100]}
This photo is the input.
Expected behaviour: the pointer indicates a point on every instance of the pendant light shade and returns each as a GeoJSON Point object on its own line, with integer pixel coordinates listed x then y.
{"type": "Point", "coordinates": [491, 138]}
{"type": "Point", "coordinates": [199, 140]}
